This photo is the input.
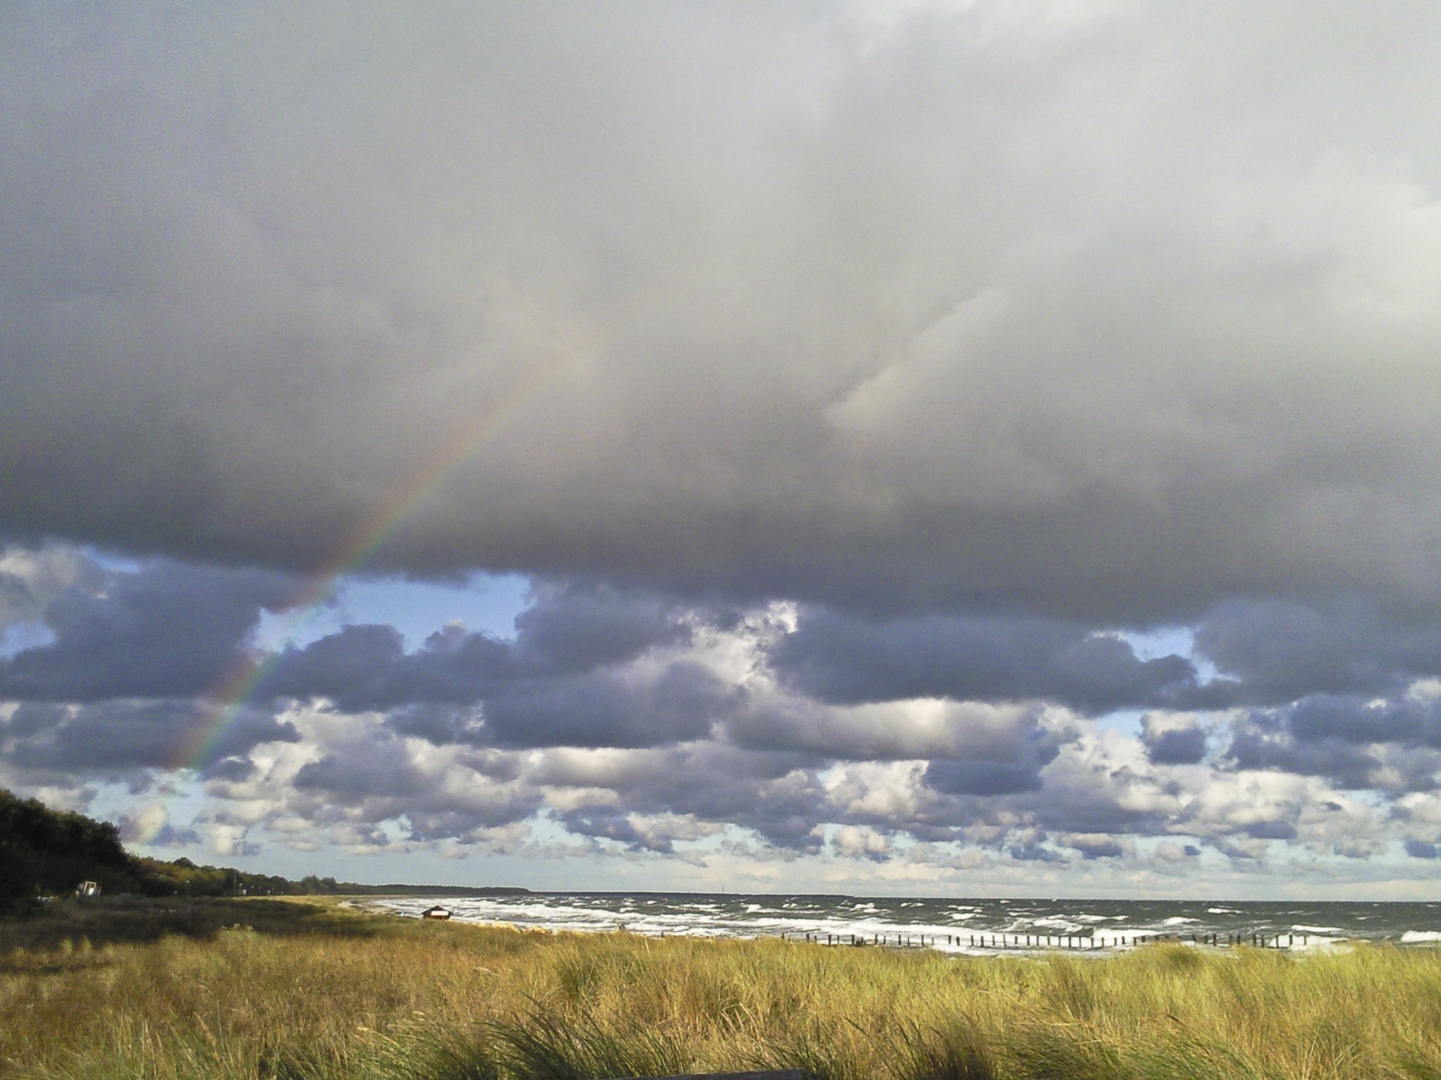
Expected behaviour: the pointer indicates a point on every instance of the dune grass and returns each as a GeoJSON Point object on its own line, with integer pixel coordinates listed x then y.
{"type": "Point", "coordinates": [314, 991]}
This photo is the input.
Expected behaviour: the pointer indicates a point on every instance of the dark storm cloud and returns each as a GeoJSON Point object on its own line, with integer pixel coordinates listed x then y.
{"type": "Point", "coordinates": [843, 658]}
{"type": "Point", "coordinates": [929, 311]}
{"type": "Point", "coordinates": [578, 626]}
{"type": "Point", "coordinates": [990, 774]}
{"type": "Point", "coordinates": [1267, 653]}
{"type": "Point", "coordinates": [1173, 745]}
{"type": "Point", "coordinates": [16, 602]}
{"type": "Point", "coordinates": [170, 629]}
{"type": "Point", "coordinates": [112, 692]}
{"type": "Point", "coordinates": [438, 724]}
{"type": "Point", "coordinates": [563, 681]}
{"type": "Point", "coordinates": [679, 704]}
{"type": "Point", "coordinates": [1408, 721]}
{"type": "Point", "coordinates": [365, 770]}
{"type": "Point", "coordinates": [569, 631]}
{"type": "Point", "coordinates": [777, 795]}
{"type": "Point", "coordinates": [1357, 742]}
{"type": "Point", "coordinates": [1270, 830]}
{"type": "Point", "coordinates": [982, 777]}
{"type": "Point", "coordinates": [1034, 853]}
{"type": "Point", "coordinates": [356, 666]}
{"type": "Point", "coordinates": [119, 736]}
{"type": "Point", "coordinates": [1346, 764]}
{"type": "Point", "coordinates": [1279, 651]}
{"type": "Point", "coordinates": [1098, 848]}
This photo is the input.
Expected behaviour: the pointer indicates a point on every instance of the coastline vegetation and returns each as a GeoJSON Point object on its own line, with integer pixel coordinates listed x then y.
{"type": "Point", "coordinates": [271, 989]}
{"type": "Point", "coordinates": [45, 851]}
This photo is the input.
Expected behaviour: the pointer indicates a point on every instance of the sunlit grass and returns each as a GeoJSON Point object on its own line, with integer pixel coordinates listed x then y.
{"type": "Point", "coordinates": [319, 992]}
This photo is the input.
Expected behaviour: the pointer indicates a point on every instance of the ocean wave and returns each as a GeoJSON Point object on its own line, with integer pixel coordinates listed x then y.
{"type": "Point", "coordinates": [945, 924]}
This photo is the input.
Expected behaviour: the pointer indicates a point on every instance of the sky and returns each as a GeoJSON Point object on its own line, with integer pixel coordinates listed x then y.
{"type": "Point", "coordinates": [961, 448]}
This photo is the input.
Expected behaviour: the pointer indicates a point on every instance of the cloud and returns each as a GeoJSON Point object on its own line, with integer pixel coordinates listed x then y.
{"type": "Point", "coordinates": [570, 630]}
{"type": "Point", "coordinates": [30, 580]}
{"type": "Point", "coordinates": [1278, 651]}
{"type": "Point", "coordinates": [982, 777]}
{"type": "Point", "coordinates": [775, 795]}
{"type": "Point", "coordinates": [151, 825]}
{"type": "Point", "coordinates": [938, 312]}
{"type": "Point", "coordinates": [927, 727]}
{"type": "Point", "coordinates": [642, 724]}
{"type": "Point", "coordinates": [1387, 744]}
{"type": "Point", "coordinates": [111, 738]}
{"type": "Point", "coordinates": [1097, 847]}
{"type": "Point", "coordinates": [168, 630]}
{"type": "Point", "coordinates": [859, 390]}
{"type": "Point", "coordinates": [1173, 740]}
{"type": "Point", "coordinates": [368, 777]}
{"type": "Point", "coordinates": [851, 842]}
{"type": "Point", "coordinates": [849, 659]}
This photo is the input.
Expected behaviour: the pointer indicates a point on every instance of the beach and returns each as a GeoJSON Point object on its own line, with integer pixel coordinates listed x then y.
{"type": "Point", "coordinates": [312, 988]}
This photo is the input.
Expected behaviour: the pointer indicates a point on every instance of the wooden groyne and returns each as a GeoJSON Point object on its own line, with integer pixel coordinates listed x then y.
{"type": "Point", "coordinates": [1031, 942]}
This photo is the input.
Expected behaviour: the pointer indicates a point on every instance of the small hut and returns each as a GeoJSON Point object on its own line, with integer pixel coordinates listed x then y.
{"type": "Point", "coordinates": [436, 912]}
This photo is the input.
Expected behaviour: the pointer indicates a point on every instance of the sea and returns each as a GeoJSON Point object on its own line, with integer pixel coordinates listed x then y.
{"type": "Point", "coordinates": [948, 925]}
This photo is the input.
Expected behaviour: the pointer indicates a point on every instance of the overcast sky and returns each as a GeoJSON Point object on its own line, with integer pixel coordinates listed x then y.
{"type": "Point", "coordinates": [967, 448]}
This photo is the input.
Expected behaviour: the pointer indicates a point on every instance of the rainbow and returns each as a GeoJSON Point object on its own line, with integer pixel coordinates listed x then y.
{"type": "Point", "coordinates": [221, 706]}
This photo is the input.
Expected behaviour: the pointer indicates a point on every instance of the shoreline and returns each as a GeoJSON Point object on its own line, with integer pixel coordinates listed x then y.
{"type": "Point", "coordinates": [266, 987]}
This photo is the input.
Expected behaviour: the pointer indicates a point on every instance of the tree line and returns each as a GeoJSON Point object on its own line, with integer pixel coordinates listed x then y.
{"type": "Point", "coordinates": [47, 852]}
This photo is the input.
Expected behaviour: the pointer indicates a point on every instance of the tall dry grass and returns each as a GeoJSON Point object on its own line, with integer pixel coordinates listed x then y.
{"type": "Point", "coordinates": [367, 997]}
